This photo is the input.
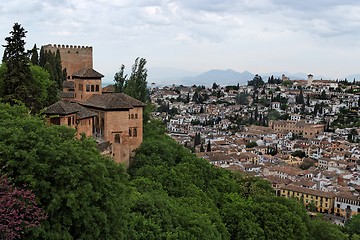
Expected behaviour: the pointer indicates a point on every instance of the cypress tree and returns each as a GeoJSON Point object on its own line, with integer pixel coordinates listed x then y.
{"type": "Point", "coordinates": [34, 56]}
{"type": "Point", "coordinates": [208, 147]}
{"type": "Point", "coordinates": [120, 80]}
{"type": "Point", "coordinates": [17, 82]}
{"type": "Point", "coordinates": [42, 59]}
{"type": "Point", "coordinates": [136, 85]}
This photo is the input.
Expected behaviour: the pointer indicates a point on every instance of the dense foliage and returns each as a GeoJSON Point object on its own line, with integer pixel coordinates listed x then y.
{"type": "Point", "coordinates": [136, 85]}
{"type": "Point", "coordinates": [168, 193]}
{"type": "Point", "coordinates": [233, 206]}
{"type": "Point", "coordinates": [84, 195]}
{"type": "Point", "coordinates": [22, 79]}
{"type": "Point", "coordinates": [17, 81]}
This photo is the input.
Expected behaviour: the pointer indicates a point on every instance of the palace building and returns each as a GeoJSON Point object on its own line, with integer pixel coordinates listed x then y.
{"type": "Point", "coordinates": [114, 120]}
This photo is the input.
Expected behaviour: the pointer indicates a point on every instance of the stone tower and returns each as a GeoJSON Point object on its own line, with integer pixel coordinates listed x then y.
{"type": "Point", "coordinates": [73, 58]}
{"type": "Point", "coordinates": [310, 80]}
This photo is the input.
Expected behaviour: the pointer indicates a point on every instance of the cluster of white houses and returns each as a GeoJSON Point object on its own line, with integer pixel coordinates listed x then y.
{"type": "Point", "coordinates": [332, 184]}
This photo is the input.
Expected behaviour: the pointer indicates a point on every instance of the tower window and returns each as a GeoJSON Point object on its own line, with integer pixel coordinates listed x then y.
{"type": "Point", "coordinates": [88, 87]}
{"type": "Point", "coordinates": [135, 132]}
{"type": "Point", "coordinates": [97, 88]}
{"type": "Point", "coordinates": [117, 138]}
{"type": "Point", "coordinates": [130, 132]}
{"type": "Point", "coordinates": [92, 88]}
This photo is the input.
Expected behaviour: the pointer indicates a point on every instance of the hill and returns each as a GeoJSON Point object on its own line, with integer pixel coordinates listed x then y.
{"type": "Point", "coordinates": [222, 77]}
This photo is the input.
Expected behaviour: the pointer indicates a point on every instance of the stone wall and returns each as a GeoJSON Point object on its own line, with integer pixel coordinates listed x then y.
{"type": "Point", "coordinates": [73, 58]}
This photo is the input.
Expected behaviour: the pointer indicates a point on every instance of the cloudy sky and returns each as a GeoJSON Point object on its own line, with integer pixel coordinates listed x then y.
{"type": "Point", "coordinates": [321, 37]}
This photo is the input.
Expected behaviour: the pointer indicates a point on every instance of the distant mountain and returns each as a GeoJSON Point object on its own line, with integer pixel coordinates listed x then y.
{"type": "Point", "coordinates": [221, 77]}
{"type": "Point", "coordinates": [167, 75]}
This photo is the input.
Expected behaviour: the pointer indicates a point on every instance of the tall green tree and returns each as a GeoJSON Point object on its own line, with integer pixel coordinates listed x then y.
{"type": "Point", "coordinates": [137, 83]}
{"type": "Point", "coordinates": [120, 80]}
{"type": "Point", "coordinates": [17, 80]}
{"type": "Point", "coordinates": [256, 82]}
{"type": "Point", "coordinates": [34, 58]}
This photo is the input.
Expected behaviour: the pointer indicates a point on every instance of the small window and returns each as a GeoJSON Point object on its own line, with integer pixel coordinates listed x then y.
{"type": "Point", "coordinates": [117, 138]}
{"type": "Point", "coordinates": [73, 120]}
{"type": "Point", "coordinates": [69, 121]}
{"type": "Point", "coordinates": [135, 132]}
{"type": "Point", "coordinates": [88, 87]}
{"type": "Point", "coordinates": [97, 88]}
{"type": "Point", "coordinates": [132, 116]}
{"type": "Point", "coordinates": [130, 133]}
{"type": "Point", "coordinates": [136, 116]}
{"type": "Point", "coordinates": [92, 88]}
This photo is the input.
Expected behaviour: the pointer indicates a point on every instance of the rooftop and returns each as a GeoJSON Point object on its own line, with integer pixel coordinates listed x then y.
{"type": "Point", "coordinates": [112, 101]}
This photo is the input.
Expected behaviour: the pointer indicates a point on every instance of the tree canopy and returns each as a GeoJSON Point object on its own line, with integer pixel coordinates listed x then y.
{"type": "Point", "coordinates": [83, 193]}
{"type": "Point", "coordinates": [136, 85]}
{"type": "Point", "coordinates": [20, 80]}
{"type": "Point", "coordinates": [256, 82]}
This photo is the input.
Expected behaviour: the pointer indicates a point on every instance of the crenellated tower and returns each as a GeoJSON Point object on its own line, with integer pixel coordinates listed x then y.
{"type": "Point", "coordinates": [73, 58]}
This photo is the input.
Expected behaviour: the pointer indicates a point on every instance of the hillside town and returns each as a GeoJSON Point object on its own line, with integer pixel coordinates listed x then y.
{"type": "Point", "coordinates": [300, 135]}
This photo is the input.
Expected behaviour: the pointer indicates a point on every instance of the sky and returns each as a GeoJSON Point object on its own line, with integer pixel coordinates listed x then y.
{"type": "Point", "coordinates": [321, 37]}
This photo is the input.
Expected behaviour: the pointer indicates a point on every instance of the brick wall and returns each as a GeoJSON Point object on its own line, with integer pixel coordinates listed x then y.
{"type": "Point", "coordinates": [73, 58]}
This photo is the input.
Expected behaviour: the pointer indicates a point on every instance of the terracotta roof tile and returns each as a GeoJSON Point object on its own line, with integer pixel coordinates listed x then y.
{"type": "Point", "coordinates": [87, 73]}
{"type": "Point", "coordinates": [108, 89]}
{"type": "Point", "coordinates": [112, 101]}
{"type": "Point", "coordinates": [65, 108]}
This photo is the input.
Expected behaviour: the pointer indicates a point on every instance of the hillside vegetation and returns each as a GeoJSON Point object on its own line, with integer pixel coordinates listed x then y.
{"type": "Point", "coordinates": [168, 193]}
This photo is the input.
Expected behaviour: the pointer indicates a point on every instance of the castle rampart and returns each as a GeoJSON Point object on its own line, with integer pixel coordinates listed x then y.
{"type": "Point", "coordinates": [73, 57]}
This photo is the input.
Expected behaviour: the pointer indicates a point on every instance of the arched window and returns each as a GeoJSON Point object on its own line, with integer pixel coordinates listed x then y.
{"type": "Point", "coordinates": [132, 116]}
{"type": "Point", "coordinates": [130, 132]}
{"type": "Point", "coordinates": [135, 132]}
{"type": "Point", "coordinates": [117, 138]}
{"type": "Point", "coordinates": [136, 116]}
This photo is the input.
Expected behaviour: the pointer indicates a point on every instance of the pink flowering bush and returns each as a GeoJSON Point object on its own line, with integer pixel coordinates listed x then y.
{"type": "Point", "coordinates": [18, 210]}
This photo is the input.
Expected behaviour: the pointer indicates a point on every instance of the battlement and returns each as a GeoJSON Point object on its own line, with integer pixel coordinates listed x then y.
{"type": "Point", "coordinates": [66, 46]}
{"type": "Point", "coordinates": [73, 57]}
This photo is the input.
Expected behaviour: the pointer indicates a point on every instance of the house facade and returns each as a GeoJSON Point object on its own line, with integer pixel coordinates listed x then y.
{"type": "Point", "coordinates": [324, 201]}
